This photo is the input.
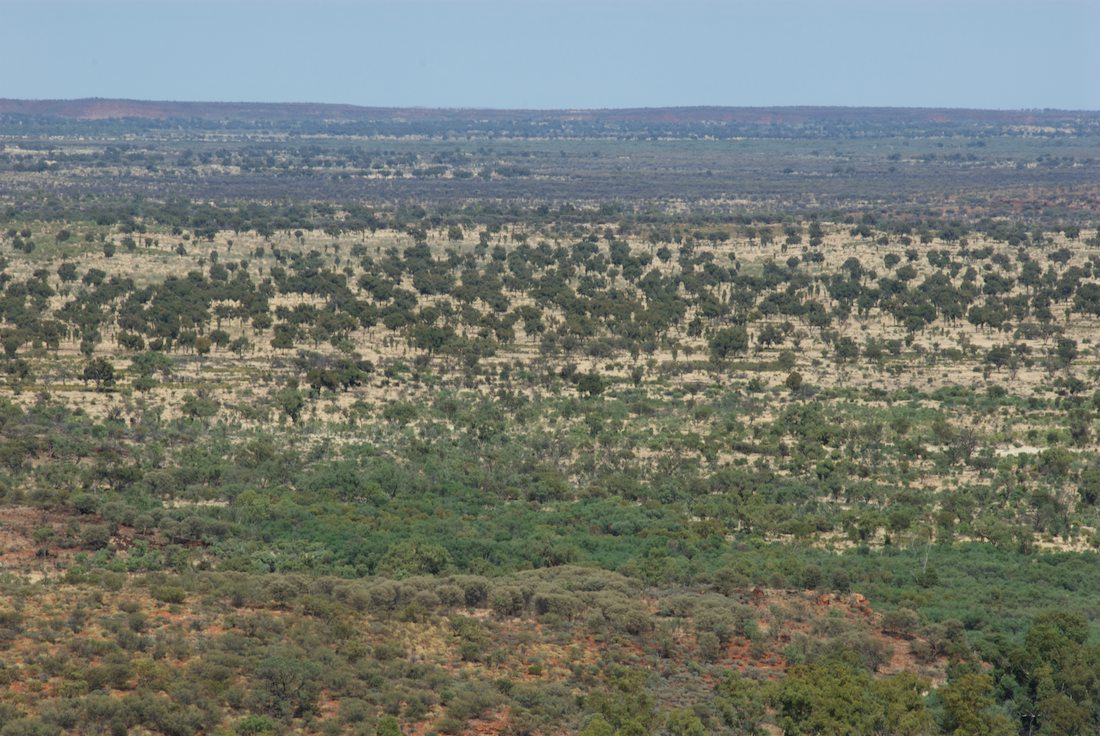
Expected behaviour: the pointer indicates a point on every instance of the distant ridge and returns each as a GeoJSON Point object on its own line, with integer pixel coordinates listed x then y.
{"type": "Point", "coordinates": [106, 109]}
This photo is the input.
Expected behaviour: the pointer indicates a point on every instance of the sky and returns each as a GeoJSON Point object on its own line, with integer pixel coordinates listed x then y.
{"type": "Point", "coordinates": [1005, 54]}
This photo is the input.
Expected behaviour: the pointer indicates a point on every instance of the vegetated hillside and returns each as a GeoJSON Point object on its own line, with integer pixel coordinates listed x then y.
{"type": "Point", "coordinates": [540, 467]}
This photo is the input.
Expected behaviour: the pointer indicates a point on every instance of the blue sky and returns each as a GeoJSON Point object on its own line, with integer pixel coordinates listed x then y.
{"type": "Point", "coordinates": [565, 53]}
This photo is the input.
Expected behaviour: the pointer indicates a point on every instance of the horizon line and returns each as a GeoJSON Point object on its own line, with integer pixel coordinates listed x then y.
{"type": "Point", "coordinates": [467, 108]}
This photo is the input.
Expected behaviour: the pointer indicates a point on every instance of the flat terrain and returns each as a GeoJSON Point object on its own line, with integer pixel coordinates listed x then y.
{"type": "Point", "coordinates": [332, 420]}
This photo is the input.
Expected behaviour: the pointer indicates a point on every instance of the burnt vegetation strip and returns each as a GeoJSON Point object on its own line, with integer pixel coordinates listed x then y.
{"type": "Point", "coordinates": [328, 420]}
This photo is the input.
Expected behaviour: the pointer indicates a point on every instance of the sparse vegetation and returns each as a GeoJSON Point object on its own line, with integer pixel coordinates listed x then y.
{"type": "Point", "coordinates": [496, 455]}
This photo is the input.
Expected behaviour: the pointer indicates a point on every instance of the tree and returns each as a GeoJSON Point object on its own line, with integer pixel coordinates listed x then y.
{"type": "Point", "coordinates": [199, 406]}
{"type": "Point", "coordinates": [146, 364]}
{"type": "Point", "coordinates": [741, 703]}
{"type": "Point", "coordinates": [785, 360]}
{"type": "Point", "coordinates": [903, 710]}
{"type": "Point", "coordinates": [284, 336]}
{"type": "Point", "coordinates": [597, 726]}
{"type": "Point", "coordinates": [1056, 690]}
{"type": "Point", "coordinates": [845, 350]}
{"type": "Point", "coordinates": [240, 346]}
{"type": "Point", "coordinates": [131, 341]}
{"type": "Point", "coordinates": [683, 722]}
{"type": "Point", "coordinates": [591, 384]}
{"type": "Point", "coordinates": [1089, 485]}
{"type": "Point", "coordinates": [432, 338]}
{"type": "Point", "coordinates": [770, 335]}
{"type": "Point", "coordinates": [12, 341]}
{"type": "Point", "coordinates": [728, 341]}
{"type": "Point", "coordinates": [836, 698]}
{"type": "Point", "coordinates": [794, 381]}
{"type": "Point", "coordinates": [67, 272]}
{"type": "Point", "coordinates": [101, 371]}
{"type": "Point", "coordinates": [625, 706]}
{"type": "Point", "coordinates": [968, 708]}
{"type": "Point", "coordinates": [291, 402]}
{"type": "Point", "coordinates": [415, 557]}
{"type": "Point", "coordinates": [220, 338]}
{"type": "Point", "coordinates": [829, 699]}
{"type": "Point", "coordinates": [1087, 298]}
{"type": "Point", "coordinates": [1066, 351]}
{"type": "Point", "coordinates": [291, 683]}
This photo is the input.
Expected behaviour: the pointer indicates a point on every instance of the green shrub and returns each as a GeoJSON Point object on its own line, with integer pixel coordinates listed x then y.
{"type": "Point", "coordinates": [169, 594]}
{"type": "Point", "coordinates": [256, 725]}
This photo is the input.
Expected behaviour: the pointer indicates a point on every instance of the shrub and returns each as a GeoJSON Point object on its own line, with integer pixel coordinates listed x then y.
{"type": "Point", "coordinates": [450, 595]}
{"type": "Point", "coordinates": [291, 683]}
{"type": "Point", "coordinates": [506, 601]}
{"type": "Point", "coordinates": [95, 536]}
{"type": "Point", "coordinates": [474, 588]}
{"type": "Point", "coordinates": [169, 594]}
{"type": "Point", "coordinates": [388, 726]}
{"type": "Point", "coordinates": [255, 725]}
{"type": "Point", "coordinates": [559, 604]}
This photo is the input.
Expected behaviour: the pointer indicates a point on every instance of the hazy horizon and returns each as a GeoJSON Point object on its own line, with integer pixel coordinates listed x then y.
{"type": "Point", "coordinates": [534, 54]}
{"type": "Point", "coordinates": [793, 106]}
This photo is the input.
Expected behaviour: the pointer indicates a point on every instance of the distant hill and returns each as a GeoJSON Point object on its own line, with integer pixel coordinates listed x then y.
{"type": "Point", "coordinates": [106, 109]}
